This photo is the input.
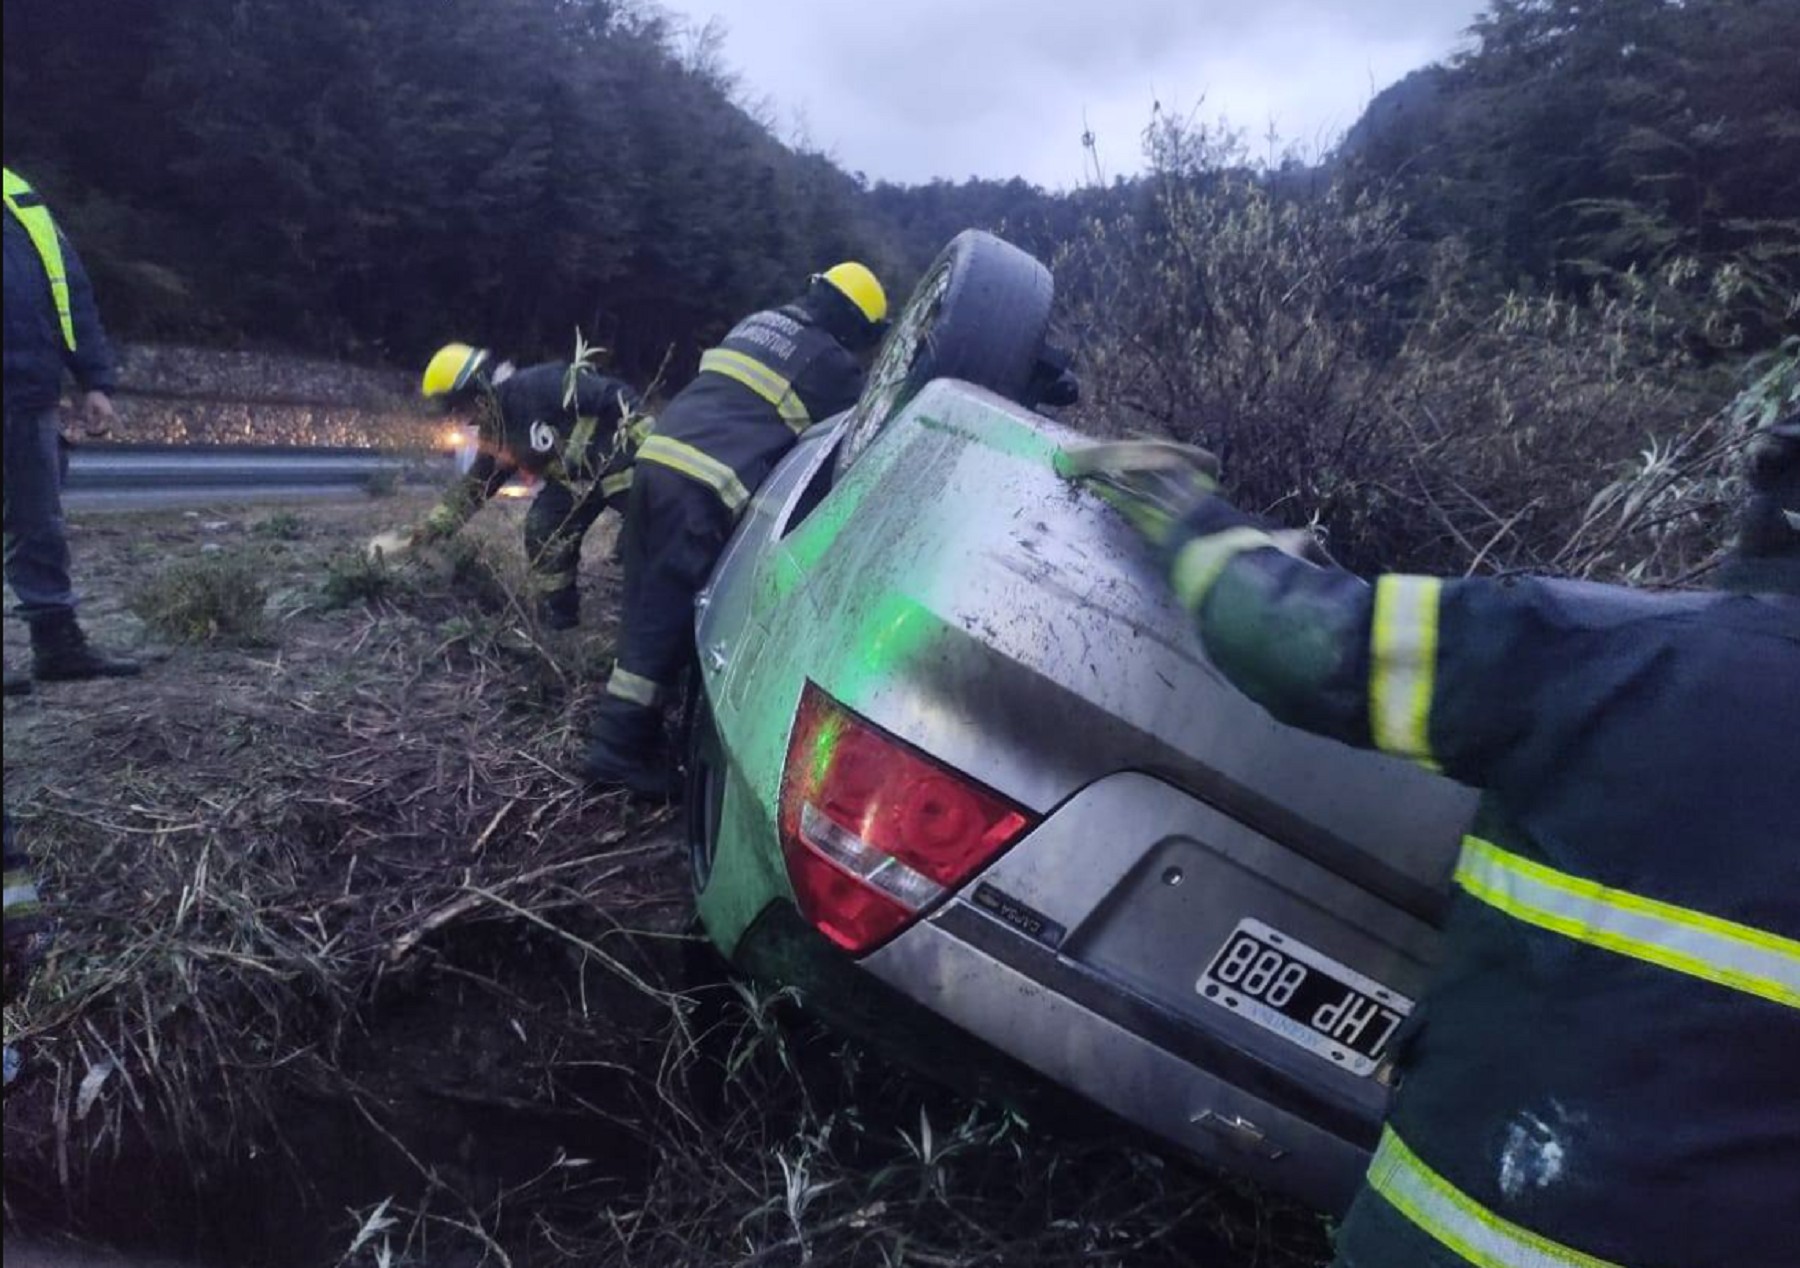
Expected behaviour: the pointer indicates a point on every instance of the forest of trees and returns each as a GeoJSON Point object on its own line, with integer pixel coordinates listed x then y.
{"type": "Point", "coordinates": [368, 179]}
{"type": "Point", "coordinates": [1583, 139]}
{"type": "Point", "coordinates": [371, 179]}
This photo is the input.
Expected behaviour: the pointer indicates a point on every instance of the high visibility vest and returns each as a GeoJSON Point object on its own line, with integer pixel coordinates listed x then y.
{"type": "Point", "coordinates": [29, 210]}
{"type": "Point", "coordinates": [1603, 1073]}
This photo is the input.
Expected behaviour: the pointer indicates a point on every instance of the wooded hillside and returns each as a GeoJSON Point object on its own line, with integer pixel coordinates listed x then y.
{"type": "Point", "coordinates": [371, 179]}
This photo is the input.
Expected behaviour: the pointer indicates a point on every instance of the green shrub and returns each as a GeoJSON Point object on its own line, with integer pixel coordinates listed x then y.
{"type": "Point", "coordinates": [1376, 386]}
{"type": "Point", "coordinates": [282, 526]}
{"type": "Point", "coordinates": [355, 576]}
{"type": "Point", "coordinates": [210, 599]}
{"type": "Point", "coordinates": [476, 576]}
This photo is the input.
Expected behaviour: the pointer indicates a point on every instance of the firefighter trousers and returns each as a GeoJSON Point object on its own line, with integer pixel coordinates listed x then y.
{"type": "Point", "coordinates": [555, 526]}
{"type": "Point", "coordinates": [676, 529]}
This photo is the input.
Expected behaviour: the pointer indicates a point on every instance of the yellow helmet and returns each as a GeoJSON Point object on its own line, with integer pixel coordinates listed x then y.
{"type": "Point", "coordinates": [856, 283]}
{"type": "Point", "coordinates": [451, 367]}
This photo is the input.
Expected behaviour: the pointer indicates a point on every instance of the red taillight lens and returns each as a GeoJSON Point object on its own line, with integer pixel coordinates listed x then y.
{"type": "Point", "coordinates": [874, 833]}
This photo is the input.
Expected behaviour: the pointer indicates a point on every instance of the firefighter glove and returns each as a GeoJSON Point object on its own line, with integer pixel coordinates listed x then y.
{"type": "Point", "coordinates": [1155, 484]}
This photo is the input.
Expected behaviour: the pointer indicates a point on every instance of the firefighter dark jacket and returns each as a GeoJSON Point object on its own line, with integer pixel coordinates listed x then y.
{"type": "Point", "coordinates": [1604, 1071]}
{"type": "Point", "coordinates": [777, 372]}
{"type": "Point", "coordinates": [531, 422]}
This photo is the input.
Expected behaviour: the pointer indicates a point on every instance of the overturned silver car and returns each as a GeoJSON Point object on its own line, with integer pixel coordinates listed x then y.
{"type": "Point", "coordinates": [958, 762]}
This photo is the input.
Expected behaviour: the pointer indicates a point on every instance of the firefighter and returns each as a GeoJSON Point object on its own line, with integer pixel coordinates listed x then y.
{"type": "Point", "coordinates": [776, 373]}
{"type": "Point", "coordinates": [1602, 1072]}
{"type": "Point", "coordinates": [567, 426]}
{"type": "Point", "coordinates": [52, 326]}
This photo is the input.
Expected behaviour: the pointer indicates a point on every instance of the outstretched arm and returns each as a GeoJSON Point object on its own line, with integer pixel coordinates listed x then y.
{"type": "Point", "coordinates": [1486, 679]}
{"type": "Point", "coordinates": [1450, 674]}
{"type": "Point", "coordinates": [478, 486]}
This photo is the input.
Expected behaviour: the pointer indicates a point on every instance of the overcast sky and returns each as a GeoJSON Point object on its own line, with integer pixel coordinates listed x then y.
{"type": "Point", "coordinates": [911, 89]}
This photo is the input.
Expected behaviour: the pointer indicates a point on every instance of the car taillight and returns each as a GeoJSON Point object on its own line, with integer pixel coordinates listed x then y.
{"type": "Point", "coordinates": [873, 832]}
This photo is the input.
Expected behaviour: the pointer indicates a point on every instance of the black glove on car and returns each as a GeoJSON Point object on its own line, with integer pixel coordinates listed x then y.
{"type": "Point", "coordinates": [1053, 381]}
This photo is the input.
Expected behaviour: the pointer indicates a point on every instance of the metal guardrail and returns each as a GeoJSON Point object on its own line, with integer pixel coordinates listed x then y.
{"type": "Point", "coordinates": [279, 400]}
{"type": "Point", "coordinates": [128, 476]}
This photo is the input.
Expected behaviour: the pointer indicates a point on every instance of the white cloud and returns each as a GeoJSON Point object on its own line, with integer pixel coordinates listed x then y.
{"type": "Point", "coordinates": [913, 90]}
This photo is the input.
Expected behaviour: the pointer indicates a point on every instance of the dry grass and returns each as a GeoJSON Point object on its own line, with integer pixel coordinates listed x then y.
{"type": "Point", "coordinates": [781, 1145]}
{"type": "Point", "coordinates": [256, 856]}
{"type": "Point", "coordinates": [352, 972]}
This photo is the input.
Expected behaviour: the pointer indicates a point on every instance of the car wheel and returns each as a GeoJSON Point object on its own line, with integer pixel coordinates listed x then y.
{"type": "Point", "coordinates": [980, 314]}
{"type": "Point", "coordinates": [705, 790]}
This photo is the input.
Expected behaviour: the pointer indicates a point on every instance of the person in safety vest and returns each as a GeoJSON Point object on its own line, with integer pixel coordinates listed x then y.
{"type": "Point", "coordinates": [777, 372]}
{"type": "Point", "coordinates": [52, 326]}
{"type": "Point", "coordinates": [566, 426]}
{"type": "Point", "coordinates": [1602, 1074]}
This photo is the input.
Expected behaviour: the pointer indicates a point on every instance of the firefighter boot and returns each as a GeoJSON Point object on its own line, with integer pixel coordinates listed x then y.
{"type": "Point", "coordinates": [627, 749]}
{"type": "Point", "coordinates": [60, 652]}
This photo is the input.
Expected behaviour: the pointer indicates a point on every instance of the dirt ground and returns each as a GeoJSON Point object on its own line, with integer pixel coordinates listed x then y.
{"type": "Point", "coordinates": [351, 971]}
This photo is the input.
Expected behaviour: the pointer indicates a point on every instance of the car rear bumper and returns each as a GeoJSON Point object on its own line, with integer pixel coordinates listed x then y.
{"type": "Point", "coordinates": [1148, 1065]}
{"type": "Point", "coordinates": [780, 947]}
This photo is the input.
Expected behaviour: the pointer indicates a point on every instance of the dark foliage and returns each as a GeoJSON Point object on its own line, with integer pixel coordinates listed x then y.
{"type": "Point", "coordinates": [371, 179]}
{"type": "Point", "coordinates": [1580, 140]}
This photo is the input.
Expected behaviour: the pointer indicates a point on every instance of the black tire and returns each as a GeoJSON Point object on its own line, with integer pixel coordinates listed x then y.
{"type": "Point", "coordinates": [980, 314]}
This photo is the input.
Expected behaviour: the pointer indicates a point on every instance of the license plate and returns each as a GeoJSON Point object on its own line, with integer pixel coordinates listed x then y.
{"type": "Point", "coordinates": [1304, 996]}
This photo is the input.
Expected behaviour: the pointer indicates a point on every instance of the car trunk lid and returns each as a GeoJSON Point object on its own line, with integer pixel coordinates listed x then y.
{"type": "Point", "coordinates": [1014, 626]}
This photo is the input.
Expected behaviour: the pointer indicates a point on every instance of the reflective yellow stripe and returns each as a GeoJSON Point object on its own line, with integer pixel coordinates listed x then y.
{"type": "Point", "coordinates": [1720, 951]}
{"type": "Point", "coordinates": [616, 483]}
{"type": "Point", "coordinates": [1199, 563]}
{"type": "Point", "coordinates": [747, 370]}
{"type": "Point", "coordinates": [1459, 1222]}
{"type": "Point", "coordinates": [760, 379]}
{"type": "Point", "coordinates": [633, 687]}
{"type": "Point", "coordinates": [21, 900]}
{"type": "Point", "coordinates": [1403, 665]}
{"type": "Point", "coordinates": [40, 227]}
{"type": "Point", "coordinates": [688, 460]}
